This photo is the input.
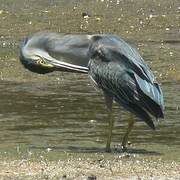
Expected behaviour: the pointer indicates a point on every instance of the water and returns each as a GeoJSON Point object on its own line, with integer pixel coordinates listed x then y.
{"type": "Point", "coordinates": [63, 111]}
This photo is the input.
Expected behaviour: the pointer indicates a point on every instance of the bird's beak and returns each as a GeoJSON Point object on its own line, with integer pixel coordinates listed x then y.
{"type": "Point", "coordinates": [63, 66]}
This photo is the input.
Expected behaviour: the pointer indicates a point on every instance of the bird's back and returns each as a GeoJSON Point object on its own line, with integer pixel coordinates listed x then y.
{"type": "Point", "coordinates": [120, 71]}
{"type": "Point", "coordinates": [69, 48]}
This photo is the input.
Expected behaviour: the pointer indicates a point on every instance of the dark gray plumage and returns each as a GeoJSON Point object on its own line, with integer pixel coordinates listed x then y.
{"type": "Point", "coordinates": [113, 65]}
{"type": "Point", "coordinates": [121, 73]}
{"type": "Point", "coordinates": [64, 52]}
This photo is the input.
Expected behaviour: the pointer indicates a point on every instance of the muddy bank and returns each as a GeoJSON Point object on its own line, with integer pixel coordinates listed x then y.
{"type": "Point", "coordinates": [61, 110]}
{"type": "Point", "coordinates": [122, 166]}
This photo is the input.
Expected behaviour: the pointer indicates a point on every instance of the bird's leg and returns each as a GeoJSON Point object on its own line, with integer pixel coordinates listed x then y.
{"type": "Point", "coordinates": [125, 138]}
{"type": "Point", "coordinates": [111, 124]}
{"type": "Point", "coordinates": [109, 101]}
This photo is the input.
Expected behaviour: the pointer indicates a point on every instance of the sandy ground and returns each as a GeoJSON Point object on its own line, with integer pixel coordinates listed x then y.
{"type": "Point", "coordinates": [143, 21]}
{"type": "Point", "coordinates": [122, 166]}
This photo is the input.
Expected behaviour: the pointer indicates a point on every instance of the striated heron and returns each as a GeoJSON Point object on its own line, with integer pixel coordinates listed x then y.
{"type": "Point", "coordinates": [112, 64]}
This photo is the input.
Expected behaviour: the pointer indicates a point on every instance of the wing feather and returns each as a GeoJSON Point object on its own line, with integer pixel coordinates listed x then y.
{"type": "Point", "coordinates": [121, 72]}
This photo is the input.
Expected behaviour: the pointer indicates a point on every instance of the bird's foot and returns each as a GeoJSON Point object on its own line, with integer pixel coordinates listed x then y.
{"type": "Point", "coordinates": [123, 148]}
{"type": "Point", "coordinates": [108, 149]}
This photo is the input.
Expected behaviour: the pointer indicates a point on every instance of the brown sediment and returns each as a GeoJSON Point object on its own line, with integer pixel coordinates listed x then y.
{"type": "Point", "coordinates": [119, 167]}
{"type": "Point", "coordinates": [148, 26]}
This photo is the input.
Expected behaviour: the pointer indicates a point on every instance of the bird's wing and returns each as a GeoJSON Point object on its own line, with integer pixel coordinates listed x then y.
{"type": "Point", "coordinates": [119, 71]}
{"type": "Point", "coordinates": [117, 83]}
{"type": "Point", "coordinates": [114, 49]}
{"type": "Point", "coordinates": [143, 75]}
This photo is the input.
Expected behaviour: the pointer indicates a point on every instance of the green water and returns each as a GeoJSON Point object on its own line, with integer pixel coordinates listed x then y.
{"type": "Point", "coordinates": [63, 112]}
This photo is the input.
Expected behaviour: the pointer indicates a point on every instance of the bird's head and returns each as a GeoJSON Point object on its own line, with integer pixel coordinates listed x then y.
{"type": "Point", "coordinates": [36, 57]}
{"type": "Point", "coordinates": [33, 59]}
{"type": "Point", "coordinates": [37, 64]}
{"type": "Point", "coordinates": [41, 62]}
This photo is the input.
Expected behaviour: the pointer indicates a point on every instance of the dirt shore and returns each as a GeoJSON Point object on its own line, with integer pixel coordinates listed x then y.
{"type": "Point", "coordinates": [34, 109]}
{"type": "Point", "coordinates": [124, 166]}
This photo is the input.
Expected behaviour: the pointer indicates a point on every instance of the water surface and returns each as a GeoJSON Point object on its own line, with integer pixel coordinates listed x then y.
{"type": "Point", "coordinates": [62, 111]}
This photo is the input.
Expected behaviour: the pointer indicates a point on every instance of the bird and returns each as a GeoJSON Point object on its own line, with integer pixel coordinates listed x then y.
{"type": "Point", "coordinates": [112, 64]}
{"type": "Point", "coordinates": [45, 52]}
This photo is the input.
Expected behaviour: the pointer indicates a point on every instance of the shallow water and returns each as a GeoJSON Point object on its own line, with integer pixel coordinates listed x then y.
{"type": "Point", "coordinates": [62, 111]}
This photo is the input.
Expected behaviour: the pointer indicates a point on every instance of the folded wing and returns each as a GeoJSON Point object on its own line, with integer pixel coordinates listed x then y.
{"type": "Point", "coordinates": [120, 71]}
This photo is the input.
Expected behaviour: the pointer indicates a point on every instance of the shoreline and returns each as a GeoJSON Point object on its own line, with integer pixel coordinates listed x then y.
{"type": "Point", "coordinates": [90, 166]}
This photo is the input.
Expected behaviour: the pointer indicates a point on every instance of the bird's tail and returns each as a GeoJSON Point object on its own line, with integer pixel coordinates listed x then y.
{"type": "Point", "coordinates": [151, 98]}
{"type": "Point", "coordinates": [142, 114]}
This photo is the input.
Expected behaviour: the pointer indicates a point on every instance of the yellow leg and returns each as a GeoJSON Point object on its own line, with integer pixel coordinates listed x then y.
{"type": "Point", "coordinates": [125, 138]}
{"type": "Point", "coordinates": [110, 128]}
{"type": "Point", "coordinates": [109, 101]}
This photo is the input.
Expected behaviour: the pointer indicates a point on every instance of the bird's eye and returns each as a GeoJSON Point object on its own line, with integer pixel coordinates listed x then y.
{"type": "Point", "coordinates": [41, 61]}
